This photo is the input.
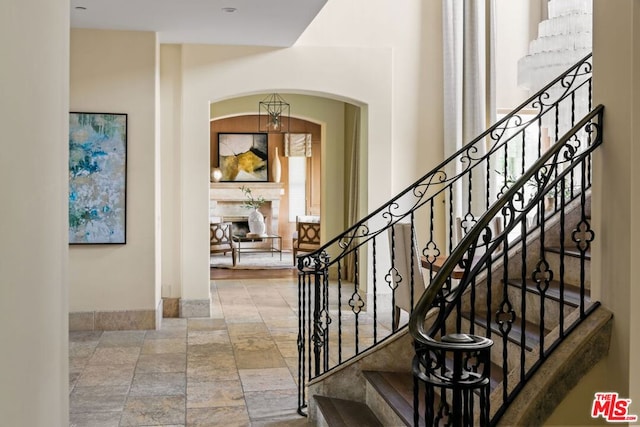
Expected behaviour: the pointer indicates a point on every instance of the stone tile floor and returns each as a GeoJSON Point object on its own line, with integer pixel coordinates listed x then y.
{"type": "Point", "coordinates": [237, 368]}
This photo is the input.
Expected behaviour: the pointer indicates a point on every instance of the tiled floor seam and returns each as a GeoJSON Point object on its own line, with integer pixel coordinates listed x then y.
{"type": "Point", "coordinates": [131, 384]}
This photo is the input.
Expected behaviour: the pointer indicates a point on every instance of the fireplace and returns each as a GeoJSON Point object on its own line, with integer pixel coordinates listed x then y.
{"type": "Point", "coordinates": [239, 224]}
{"type": "Point", "coordinates": [226, 199]}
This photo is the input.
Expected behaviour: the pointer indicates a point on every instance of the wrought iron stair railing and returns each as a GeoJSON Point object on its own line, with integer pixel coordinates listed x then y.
{"type": "Point", "coordinates": [348, 288]}
{"type": "Point", "coordinates": [565, 166]}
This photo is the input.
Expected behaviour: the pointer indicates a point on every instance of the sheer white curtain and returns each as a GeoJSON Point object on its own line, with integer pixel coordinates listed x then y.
{"type": "Point", "coordinates": [469, 94]}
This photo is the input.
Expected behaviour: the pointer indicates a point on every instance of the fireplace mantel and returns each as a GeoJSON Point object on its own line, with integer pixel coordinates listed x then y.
{"type": "Point", "coordinates": [226, 199]}
{"type": "Point", "coordinates": [230, 191]}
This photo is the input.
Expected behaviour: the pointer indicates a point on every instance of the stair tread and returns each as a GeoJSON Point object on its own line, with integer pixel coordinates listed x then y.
{"type": "Point", "coordinates": [532, 330]}
{"type": "Point", "coordinates": [396, 388]}
{"type": "Point", "coordinates": [346, 413]}
{"type": "Point", "coordinates": [571, 292]}
{"type": "Point", "coordinates": [572, 252]}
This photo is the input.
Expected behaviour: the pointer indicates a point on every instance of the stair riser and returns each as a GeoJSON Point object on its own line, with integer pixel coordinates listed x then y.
{"type": "Point", "coordinates": [572, 269]}
{"type": "Point", "coordinates": [513, 356]}
{"type": "Point", "coordinates": [336, 412]}
{"type": "Point", "coordinates": [320, 421]}
{"type": "Point", "coordinates": [532, 307]}
{"type": "Point", "coordinates": [388, 417]}
{"type": "Point", "coordinates": [381, 408]}
{"type": "Point", "coordinates": [552, 307]}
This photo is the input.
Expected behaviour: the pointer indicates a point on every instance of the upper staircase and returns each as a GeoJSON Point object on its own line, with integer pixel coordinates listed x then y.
{"type": "Point", "coordinates": [499, 295]}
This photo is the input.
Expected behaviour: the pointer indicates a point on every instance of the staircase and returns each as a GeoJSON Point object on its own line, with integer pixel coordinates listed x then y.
{"type": "Point", "coordinates": [504, 310]}
{"type": "Point", "coordinates": [388, 396]}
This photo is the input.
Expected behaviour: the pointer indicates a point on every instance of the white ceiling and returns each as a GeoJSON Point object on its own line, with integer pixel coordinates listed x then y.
{"type": "Point", "coordinates": [276, 23]}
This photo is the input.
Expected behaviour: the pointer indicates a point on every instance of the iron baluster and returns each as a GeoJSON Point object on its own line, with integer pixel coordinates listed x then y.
{"type": "Point", "coordinates": [375, 295]}
{"type": "Point", "coordinates": [431, 251]}
{"type": "Point", "coordinates": [472, 313]}
{"type": "Point", "coordinates": [470, 203]}
{"type": "Point", "coordinates": [573, 109]}
{"type": "Point", "coordinates": [523, 302]}
{"type": "Point", "coordinates": [539, 136]}
{"type": "Point", "coordinates": [524, 154]}
{"type": "Point", "coordinates": [487, 184]}
{"type": "Point", "coordinates": [583, 236]}
{"type": "Point", "coordinates": [542, 275]}
{"type": "Point", "coordinates": [326, 319]}
{"type": "Point", "coordinates": [489, 295]}
{"type": "Point", "coordinates": [505, 317]}
{"type": "Point", "coordinates": [392, 280]}
{"type": "Point", "coordinates": [451, 222]}
{"type": "Point", "coordinates": [309, 327]}
{"type": "Point", "coordinates": [457, 393]}
{"type": "Point", "coordinates": [339, 313]}
{"type": "Point", "coordinates": [416, 402]}
{"type": "Point", "coordinates": [317, 328]}
{"type": "Point", "coordinates": [412, 272]}
{"type": "Point", "coordinates": [300, 343]}
{"type": "Point", "coordinates": [562, 268]}
{"type": "Point", "coordinates": [557, 122]}
{"type": "Point", "coordinates": [356, 305]}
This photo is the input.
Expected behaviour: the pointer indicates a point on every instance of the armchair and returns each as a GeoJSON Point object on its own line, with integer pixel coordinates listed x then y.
{"type": "Point", "coordinates": [306, 237]}
{"type": "Point", "coordinates": [220, 240]}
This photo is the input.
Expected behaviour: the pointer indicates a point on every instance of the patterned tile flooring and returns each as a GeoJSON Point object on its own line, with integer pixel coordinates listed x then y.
{"type": "Point", "coordinates": [237, 368]}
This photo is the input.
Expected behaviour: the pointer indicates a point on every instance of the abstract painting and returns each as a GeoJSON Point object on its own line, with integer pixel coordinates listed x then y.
{"type": "Point", "coordinates": [97, 178]}
{"type": "Point", "coordinates": [243, 157]}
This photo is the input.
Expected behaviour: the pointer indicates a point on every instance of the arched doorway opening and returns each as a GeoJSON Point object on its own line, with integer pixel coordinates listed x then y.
{"type": "Point", "coordinates": [335, 171]}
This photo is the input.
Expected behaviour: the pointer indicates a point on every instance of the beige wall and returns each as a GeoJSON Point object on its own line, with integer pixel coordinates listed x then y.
{"type": "Point", "coordinates": [615, 267]}
{"type": "Point", "coordinates": [212, 73]}
{"type": "Point", "coordinates": [389, 62]}
{"type": "Point", "coordinates": [412, 29]}
{"type": "Point", "coordinates": [34, 117]}
{"type": "Point", "coordinates": [115, 71]}
{"type": "Point", "coordinates": [512, 43]}
{"type": "Point", "coordinates": [633, 227]}
{"type": "Point", "coordinates": [170, 108]}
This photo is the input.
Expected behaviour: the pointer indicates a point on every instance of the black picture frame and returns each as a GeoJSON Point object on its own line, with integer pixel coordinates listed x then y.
{"type": "Point", "coordinates": [97, 178]}
{"type": "Point", "coordinates": [243, 157]}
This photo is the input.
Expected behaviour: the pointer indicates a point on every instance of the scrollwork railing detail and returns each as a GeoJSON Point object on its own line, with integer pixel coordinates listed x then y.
{"type": "Point", "coordinates": [443, 207]}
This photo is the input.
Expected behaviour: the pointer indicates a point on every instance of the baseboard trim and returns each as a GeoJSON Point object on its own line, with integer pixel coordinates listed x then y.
{"type": "Point", "coordinates": [116, 320]}
{"type": "Point", "coordinates": [170, 307]}
{"type": "Point", "coordinates": [195, 307]}
{"type": "Point", "coordinates": [135, 319]}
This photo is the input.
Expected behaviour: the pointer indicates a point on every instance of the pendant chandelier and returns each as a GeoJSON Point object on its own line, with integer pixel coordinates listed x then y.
{"type": "Point", "coordinates": [273, 114]}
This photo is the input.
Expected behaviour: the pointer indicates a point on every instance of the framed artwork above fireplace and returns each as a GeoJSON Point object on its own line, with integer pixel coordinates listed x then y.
{"type": "Point", "coordinates": [243, 157]}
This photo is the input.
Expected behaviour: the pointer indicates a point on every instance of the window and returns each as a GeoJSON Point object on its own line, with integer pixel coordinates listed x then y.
{"type": "Point", "coordinates": [524, 146]}
{"type": "Point", "coordinates": [297, 187]}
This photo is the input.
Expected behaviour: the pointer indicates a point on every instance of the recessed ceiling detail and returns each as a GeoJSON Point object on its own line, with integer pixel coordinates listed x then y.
{"type": "Point", "coordinates": [276, 23]}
